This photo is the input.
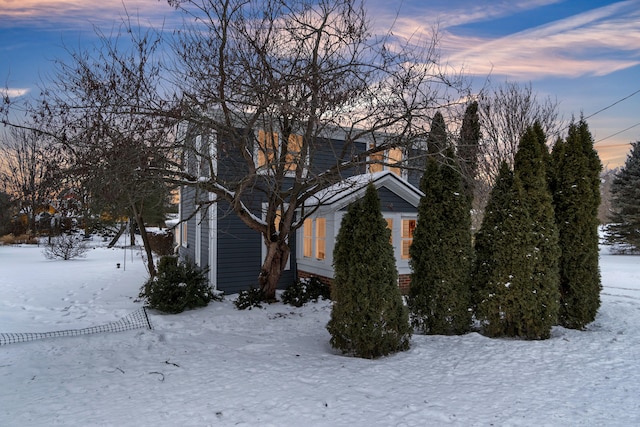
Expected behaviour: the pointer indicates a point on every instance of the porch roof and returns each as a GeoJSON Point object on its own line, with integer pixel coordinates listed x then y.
{"type": "Point", "coordinates": [349, 190]}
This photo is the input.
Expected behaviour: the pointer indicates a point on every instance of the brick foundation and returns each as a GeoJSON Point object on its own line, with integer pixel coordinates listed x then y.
{"type": "Point", "coordinates": [404, 280]}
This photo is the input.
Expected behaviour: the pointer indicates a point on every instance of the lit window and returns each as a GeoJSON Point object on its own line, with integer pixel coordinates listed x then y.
{"type": "Point", "coordinates": [395, 157]}
{"type": "Point", "coordinates": [376, 167]}
{"type": "Point", "coordinates": [321, 229]}
{"type": "Point", "coordinates": [408, 226]}
{"type": "Point", "coordinates": [267, 148]}
{"type": "Point", "coordinates": [307, 237]}
{"type": "Point", "coordinates": [294, 148]}
{"type": "Point", "coordinates": [390, 227]}
{"type": "Point", "coordinates": [390, 157]}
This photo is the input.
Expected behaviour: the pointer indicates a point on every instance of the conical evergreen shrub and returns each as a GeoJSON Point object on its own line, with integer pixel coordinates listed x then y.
{"type": "Point", "coordinates": [489, 239]}
{"type": "Point", "coordinates": [531, 163]}
{"type": "Point", "coordinates": [441, 253]}
{"type": "Point", "coordinates": [502, 278]}
{"type": "Point", "coordinates": [516, 278]}
{"type": "Point", "coordinates": [368, 317]}
{"type": "Point", "coordinates": [576, 191]}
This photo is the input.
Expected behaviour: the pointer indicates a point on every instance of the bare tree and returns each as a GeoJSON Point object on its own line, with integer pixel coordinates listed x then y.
{"type": "Point", "coordinates": [506, 111]}
{"type": "Point", "coordinates": [280, 83]}
{"type": "Point", "coordinates": [277, 83]}
{"type": "Point", "coordinates": [28, 171]}
{"type": "Point", "coordinates": [107, 112]}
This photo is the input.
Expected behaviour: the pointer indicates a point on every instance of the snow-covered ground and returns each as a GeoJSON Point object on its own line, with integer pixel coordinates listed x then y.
{"type": "Point", "coordinates": [274, 366]}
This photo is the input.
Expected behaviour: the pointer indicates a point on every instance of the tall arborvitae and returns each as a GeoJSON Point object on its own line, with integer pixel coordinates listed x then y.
{"type": "Point", "coordinates": [502, 292]}
{"type": "Point", "coordinates": [576, 192]}
{"type": "Point", "coordinates": [516, 279]}
{"type": "Point", "coordinates": [441, 252]}
{"type": "Point", "coordinates": [368, 318]}
{"type": "Point", "coordinates": [489, 239]}
{"type": "Point", "coordinates": [437, 141]}
{"type": "Point", "coordinates": [531, 162]}
{"type": "Point", "coordinates": [625, 204]}
{"type": "Point", "coordinates": [469, 147]}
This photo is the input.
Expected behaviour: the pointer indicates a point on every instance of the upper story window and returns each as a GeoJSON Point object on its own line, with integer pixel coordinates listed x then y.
{"type": "Point", "coordinates": [386, 159]}
{"type": "Point", "coordinates": [269, 151]}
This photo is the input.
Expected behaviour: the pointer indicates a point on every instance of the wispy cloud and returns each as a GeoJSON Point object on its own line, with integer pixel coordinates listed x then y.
{"type": "Point", "coordinates": [79, 13]}
{"type": "Point", "coordinates": [597, 42]}
{"type": "Point", "coordinates": [13, 92]}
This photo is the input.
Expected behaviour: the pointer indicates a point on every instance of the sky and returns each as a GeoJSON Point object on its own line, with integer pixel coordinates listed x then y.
{"type": "Point", "coordinates": [584, 54]}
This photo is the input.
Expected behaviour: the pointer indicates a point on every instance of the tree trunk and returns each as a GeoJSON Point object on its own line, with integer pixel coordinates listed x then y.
{"type": "Point", "coordinates": [145, 240]}
{"type": "Point", "coordinates": [273, 266]}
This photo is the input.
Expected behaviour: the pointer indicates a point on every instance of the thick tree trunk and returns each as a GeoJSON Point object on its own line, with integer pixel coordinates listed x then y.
{"type": "Point", "coordinates": [145, 241]}
{"type": "Point", "coordinates": [272, 268]}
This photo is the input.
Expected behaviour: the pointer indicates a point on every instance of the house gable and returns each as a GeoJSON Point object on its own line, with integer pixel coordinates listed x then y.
{"type": "Point", "coordinates": [399, 202]}
{"type": "Point", "coordinates": [341, 195]}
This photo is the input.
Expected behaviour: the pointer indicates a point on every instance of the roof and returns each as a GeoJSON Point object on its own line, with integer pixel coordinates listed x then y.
{"type": "Point", "coordinates": [349, 190]}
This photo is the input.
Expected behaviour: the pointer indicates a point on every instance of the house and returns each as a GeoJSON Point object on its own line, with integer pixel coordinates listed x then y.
{"type": "Point", "coordinates": [216, 238]}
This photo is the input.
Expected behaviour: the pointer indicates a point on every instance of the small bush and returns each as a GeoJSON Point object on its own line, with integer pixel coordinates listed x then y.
{"type": "Point", "coordinates": [305, 290]}
{"type": "Point", "coordinates": [178, 286]}
{"type": "Point", "coordinates": [66, 247]}
{"type": "Point", "coordinates": [254, 297]}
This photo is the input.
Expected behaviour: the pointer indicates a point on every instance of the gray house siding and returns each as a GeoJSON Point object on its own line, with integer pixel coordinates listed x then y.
{"type": "Point", "coordinates": [187, 207]}
{"type": "Point", "coordinates": [391, 202]}
{"type": "Point", "coordinates": [240, 254]}
{"type": "Point", "coordinates": [239, 249]}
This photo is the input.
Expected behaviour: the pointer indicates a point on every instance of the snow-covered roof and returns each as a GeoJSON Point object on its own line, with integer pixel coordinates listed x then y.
{"type": "Point", "coordinates": [353, 188]}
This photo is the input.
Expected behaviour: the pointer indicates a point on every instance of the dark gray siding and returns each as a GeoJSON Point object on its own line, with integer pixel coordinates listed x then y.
{"type": "Point", "coordinates": [187, 206]}
{"type": "Point", "coordinates": [391, 202]}
{"type": "Point", "coordinates": [240, 254]}
{"type": "Point", "coordinates": [328, 153]}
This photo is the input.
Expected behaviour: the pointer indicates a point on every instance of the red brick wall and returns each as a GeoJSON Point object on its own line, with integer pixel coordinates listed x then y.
{"type": "Point", "coordinates": [304, 275]}
{"type": "Point", "coordinates": [404, 280]}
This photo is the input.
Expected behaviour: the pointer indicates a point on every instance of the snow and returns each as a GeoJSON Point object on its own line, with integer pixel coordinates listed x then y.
{"type": "Point", "coordinates": [275, 367]}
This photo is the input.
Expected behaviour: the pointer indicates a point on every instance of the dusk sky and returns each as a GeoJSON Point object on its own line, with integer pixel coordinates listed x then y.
{"type": "Point", "coordinates": [584, 53]}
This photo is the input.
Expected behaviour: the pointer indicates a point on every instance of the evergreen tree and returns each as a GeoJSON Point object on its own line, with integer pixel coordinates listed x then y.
{"type": "Point", "coordinates": [368, 318]}
{"type": "Point", "coordinates": [437, 140]}
{"type": "Point", "coordinates": [502, 291]}
{"type": "Point", "coordinates": [488, 239]}
{"type": "Point", "coordinates": [441, 253]}
{"type": "Point", "coordinates": [469, 147]}
{"type": "Point", "coordinates": [516, 279]}
{"type": "Point", "coordinates": [576, 190]}
{"type": "Point", "coordinates": [531, 162]}
{"type": "Point", "coordinates": [625, 189]}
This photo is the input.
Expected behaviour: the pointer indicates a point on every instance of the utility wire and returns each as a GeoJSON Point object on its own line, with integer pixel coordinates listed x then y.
{"type": "Point", "coordinates": [617, 133]}
{"type": "Point", "coordinates": [609, 106]}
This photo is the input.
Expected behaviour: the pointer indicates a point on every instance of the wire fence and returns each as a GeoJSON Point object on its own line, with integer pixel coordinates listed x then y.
{"type": "Point", "coordinates": [136, 320]}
